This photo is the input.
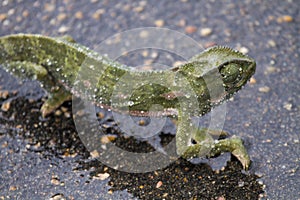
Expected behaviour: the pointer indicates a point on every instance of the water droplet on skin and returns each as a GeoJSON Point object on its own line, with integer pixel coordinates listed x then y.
{"type": "Point", "coordinates": [92, 67]}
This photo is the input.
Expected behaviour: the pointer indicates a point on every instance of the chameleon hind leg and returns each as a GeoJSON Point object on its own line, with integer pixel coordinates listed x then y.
{"type": "Point", "coordinates": [56, 92]}
{"type": "Point", "coordinates": [57, 97]}
{"type": "Point", "coordinates": [192, 142]}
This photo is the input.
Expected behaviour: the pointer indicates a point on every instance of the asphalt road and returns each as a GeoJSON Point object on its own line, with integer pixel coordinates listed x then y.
{"type": "Point", "coordinates": [43, 159]}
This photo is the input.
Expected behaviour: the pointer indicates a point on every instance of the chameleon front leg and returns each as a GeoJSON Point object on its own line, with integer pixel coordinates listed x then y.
{"type": "Point", "coordinates": [192, 142]}
{"type": "Point", "coordinates": [235, 146]}
{"type": "Point", "coordinates": [56, 92]}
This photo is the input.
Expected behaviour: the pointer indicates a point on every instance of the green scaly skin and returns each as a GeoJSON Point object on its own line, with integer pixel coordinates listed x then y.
{"type": "Point", "coordinates": [191, 89]}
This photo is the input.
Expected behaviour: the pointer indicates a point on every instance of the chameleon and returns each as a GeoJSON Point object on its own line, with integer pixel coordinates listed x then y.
{"type": "Point", "coordinates": [191, 89]}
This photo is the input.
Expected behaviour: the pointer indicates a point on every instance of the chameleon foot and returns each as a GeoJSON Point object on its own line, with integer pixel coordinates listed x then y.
{"type": "Point", "coordinates": [233, 145]}
{"type": "Point", "coordinates": [202, 144]}
{"type": "Point", "coordinates": [57, 97]}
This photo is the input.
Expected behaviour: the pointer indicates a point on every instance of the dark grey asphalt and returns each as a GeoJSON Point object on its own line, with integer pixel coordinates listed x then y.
{"type": "Point", "coordinates": [266, 113]}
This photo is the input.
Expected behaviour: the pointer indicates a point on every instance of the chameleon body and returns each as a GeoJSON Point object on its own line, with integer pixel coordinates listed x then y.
{"type": "Point", "coordinates": [191, 89]}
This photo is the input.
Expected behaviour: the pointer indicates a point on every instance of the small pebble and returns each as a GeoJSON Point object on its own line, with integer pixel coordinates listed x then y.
{"type": "Point", "coordinates": [147, 64]}
{"type": "Point", "coordinates": [127, 7]}
{"type": "Point", "coordinates": [209, 44]}
{"type": "Point", "coordinates": [100, 115]}
{"type": "Point", "coordinates": [288, 106]}
{"type": "Point", "coordinates": [285, 18]}
{"type": "Point", "coordinates": [63, 29]}
{"type": "Point", "coordinates": [264, 89]}
{"type": "Point", "coordinates": [58, 113]}
{"type": "Point", "coordinates": [272, 43]}
{"type": "Point", "coordinates": [271, 69]}
{"type": "Point", "coordinates": [25, 13]}
{"type": "Point", "coordinates": [145, 53]}
{"type": "Point", "coordinates": [58, 197]}
{"type": "Point", "coordinates": [138, 9]}
{"type": "Point", "coordinates": [80, 113]}
{"type": "Point", "coordinates": [97, 15]}
{"type": "Point", "coordinates": [79, 15]}
{"type": "Point", "coordinates": [182, 23]}
{"type": "Point", "coordinates": [4, 94]}
{"type": "Point", "coordinates": [5, 106]}
{"type": "Point", "coordinates": [260, 182]}
{"type": "Point", "coordinates": [190, 29]}
{"type": "Point", "coordinates": [4, 145]}
{"type": "Point", "coordinates": [252, 80]}
{"type": "Point", "coordinates": [55, 181]}
{"type": "Point", "coordinates": [244, 50]}
{"type": "Point", "coordinates": [165, 194]}
{"type": "Point", "coordinates": [94, 154]}
{"type": "Point", "coordinates": [102, 176]}
{"type": "Point", "coordinates": [268, 140]}
{"type": "Point", "coordinates": [159, 184]}
{"type": "Point", "coordinates": [3, 17]}
{"type": "Point", "coordinates": [205, 32]}
{"type": "Point", "coordinates": [110, 192]}
{"type": "Point", "coordinates": [61, 16]}
{"type": "Point", "coordinates": [159, 23]}
{"type": "Point", "coordinates": [142, 122]}
{"type": "Point", "coordinates": [6, 22]}
{"type": "Point", "coordinates": [11, 12]}
{"type": "Point", "coordinates": [12, 188]}
{"type": "Point", "coordinates": [67, 114]}
{"type": "Point", "coordinates": [49, 7]}
{"type": "Point", "coordinates": [107, 139]}
{"type": "Point", "coordinates": [154, 54]}
{"type": "Point", "coordinates": [144, 34]}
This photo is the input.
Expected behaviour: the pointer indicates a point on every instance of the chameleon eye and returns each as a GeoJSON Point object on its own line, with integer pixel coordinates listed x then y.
{"type": "Point", "coordinates": [230, 73]}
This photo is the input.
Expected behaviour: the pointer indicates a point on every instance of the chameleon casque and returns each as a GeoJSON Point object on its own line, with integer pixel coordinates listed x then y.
{"type": "Point", "coordinates": [57, 62]}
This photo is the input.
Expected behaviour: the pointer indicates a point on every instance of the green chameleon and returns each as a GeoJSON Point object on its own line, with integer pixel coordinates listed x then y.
{"type": "Point", "coordinates": [192, 89]}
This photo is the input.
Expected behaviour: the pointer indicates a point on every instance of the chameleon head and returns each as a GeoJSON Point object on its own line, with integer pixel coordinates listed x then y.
{"type": "Point", "coordinates": [217, 73]}
{"type": "Point", "coordinates": [234, 67]}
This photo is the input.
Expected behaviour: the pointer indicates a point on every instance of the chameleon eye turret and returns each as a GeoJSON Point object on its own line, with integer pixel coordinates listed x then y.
{"type": "Point", "coordinates": [236, 74]}
{"type": "Point", "coordinates": [230, 73]}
